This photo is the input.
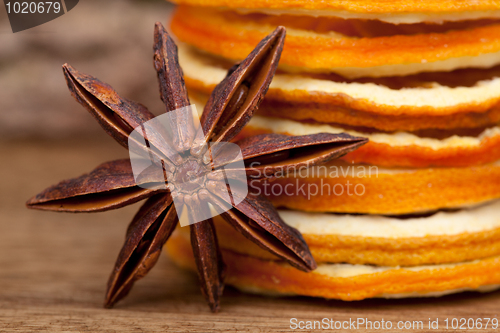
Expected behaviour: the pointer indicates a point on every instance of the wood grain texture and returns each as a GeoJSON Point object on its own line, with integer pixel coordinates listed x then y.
{"type": "Point", "coordinates": [55, 267]}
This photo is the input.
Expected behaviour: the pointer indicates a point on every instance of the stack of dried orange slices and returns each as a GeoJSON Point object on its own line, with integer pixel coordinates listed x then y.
{"type": "Point", "coordinates": [421, 80]}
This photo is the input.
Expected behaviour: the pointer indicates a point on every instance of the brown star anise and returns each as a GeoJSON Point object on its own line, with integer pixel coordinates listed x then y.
{"type": "Point", "coordinates": [231, 105]}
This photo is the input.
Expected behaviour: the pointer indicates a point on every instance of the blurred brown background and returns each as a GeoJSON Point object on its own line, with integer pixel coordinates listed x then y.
{"type": "Point", "coordinates": [110, 39]}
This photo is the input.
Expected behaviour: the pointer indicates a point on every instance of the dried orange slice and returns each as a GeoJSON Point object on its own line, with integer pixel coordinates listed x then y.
{"type": "Point", "coordinates": [399, 149]}
{"type": "Point", "coordinates": [367, 189]}
{"type": "Point", "coordinates": [346, 281]}
{"type": "Point", "coordinates": [418, 103]}
{"type": "Point", "coordinates": [232, 35]}
{"type": "Point", "coordinates": [444, 237]}
{"type": "Point", "coordinates": [390, 11]}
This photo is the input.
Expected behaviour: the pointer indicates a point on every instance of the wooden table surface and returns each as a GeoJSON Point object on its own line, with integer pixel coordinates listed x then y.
{"type": "Point", "coordinates": [55, 267]}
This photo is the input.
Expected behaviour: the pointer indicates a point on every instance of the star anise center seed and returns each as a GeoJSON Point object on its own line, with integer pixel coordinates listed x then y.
{"type": "Point", "coordinates": [190, 176]}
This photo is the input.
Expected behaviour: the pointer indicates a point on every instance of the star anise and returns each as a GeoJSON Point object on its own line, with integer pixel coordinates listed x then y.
{"type": "Point", "coordinates": [231, 105]}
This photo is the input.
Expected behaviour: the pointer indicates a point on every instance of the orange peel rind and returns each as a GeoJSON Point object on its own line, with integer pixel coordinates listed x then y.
{"type": "Point", "coordinates": [345, 281]}
{"type": "Point", "coordinates": [445, 237]}
{"type": "Point", "coordinates": [399, 149]}
{"type": "Point", "coordinates": [230, 35]}
{"type": "Point", "coordinates": [372, 105]}
{"type": "Point", "coordinates": [397, 12]}
{"type": "Point", "coordinates": [365, 189]}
